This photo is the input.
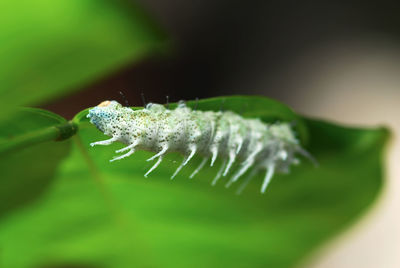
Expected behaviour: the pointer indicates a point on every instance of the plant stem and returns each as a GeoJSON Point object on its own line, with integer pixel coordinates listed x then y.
{"type": "Point", "coordinates": [53, 133]}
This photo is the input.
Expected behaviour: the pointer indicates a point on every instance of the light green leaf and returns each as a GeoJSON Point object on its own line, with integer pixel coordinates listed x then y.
{"type": "Point", "coordinates": [49, 48]}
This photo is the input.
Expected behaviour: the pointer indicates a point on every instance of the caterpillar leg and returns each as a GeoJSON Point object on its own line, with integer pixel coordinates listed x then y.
{"type": "Point", "coordinates": [246, 181]}
{"type": "Point", "coordinates": [193, 150]}
{"type": "Point", "coordinates": [251, 157]}
{"type": "Point", "coordinates": [105, 142]}
{"type": "Point", "coordinates": [214, 152]}
{"type": "Point", "coordinates": [246, 165]}
{"type": "Point", "coordinates": [268, 176]}
{"type": "Point", "coordinates": [307, 155]}
{"type": "Point", "coordinates": [123, 156]}
{"type": "Point", "coordinates": [239, 146]}
{"type": "Point", "coordinates": [163, 150]}
{"type": "Point", "coordinates": [154, 166]}
{"type": "Point", "coordinates": [239, 173]}
{"type": "Point", "coordinates": [185, 160]}
{"type": "Point", "coordinates": [131, 146]}
{"type": "Point", "coordinates": [232, 157]}
{"type": "Point", "coordinates": [203, 162]}
{"type": "Point", "coordinates": [219, 173]}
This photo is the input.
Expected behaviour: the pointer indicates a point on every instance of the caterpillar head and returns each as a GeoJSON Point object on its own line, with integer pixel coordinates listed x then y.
{"type": "Point", "coordinates": [104, 114]}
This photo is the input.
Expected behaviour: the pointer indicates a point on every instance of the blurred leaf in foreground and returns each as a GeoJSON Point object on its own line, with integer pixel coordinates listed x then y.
{"type": "Point", "coordinates": [48, 48]}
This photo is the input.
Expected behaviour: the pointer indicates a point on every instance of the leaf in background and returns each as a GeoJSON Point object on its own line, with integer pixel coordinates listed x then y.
{"type": "Point", "coordinates": [49, 48]}
{"type": "Point", "coordinates": [29, 155]}
{"type": "Point", "coordinates": [113, 217]}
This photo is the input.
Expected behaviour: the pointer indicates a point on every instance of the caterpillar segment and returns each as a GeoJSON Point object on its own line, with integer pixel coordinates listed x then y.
{"type": "Point", "coordinates": [241, 143]}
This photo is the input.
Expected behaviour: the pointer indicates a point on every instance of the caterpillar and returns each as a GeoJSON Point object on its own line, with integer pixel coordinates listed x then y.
{"type": "Point", "coordinates": [254, 144]}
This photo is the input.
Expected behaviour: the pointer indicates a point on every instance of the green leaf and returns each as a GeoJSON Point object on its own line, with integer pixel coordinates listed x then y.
{"type": "Point", "coordinates": [101, 214]}
{"type": "Point", "coordinates": [49, 48]}
{"type": "Point", "coordinates": [29, 155]}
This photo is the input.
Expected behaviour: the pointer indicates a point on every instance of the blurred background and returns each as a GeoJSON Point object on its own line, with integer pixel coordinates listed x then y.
{"type": "Point", "coordinates": [336, 60]}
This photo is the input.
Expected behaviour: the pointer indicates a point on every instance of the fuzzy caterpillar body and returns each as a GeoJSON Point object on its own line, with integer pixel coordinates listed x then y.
{"type": "Point", "coordinates": [252, 143]}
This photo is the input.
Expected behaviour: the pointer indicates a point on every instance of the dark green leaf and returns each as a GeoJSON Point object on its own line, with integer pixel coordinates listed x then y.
{"type": "Point", "coordinates": [29, 155]}
{"type": "Point", "coordinates": [108, 215]}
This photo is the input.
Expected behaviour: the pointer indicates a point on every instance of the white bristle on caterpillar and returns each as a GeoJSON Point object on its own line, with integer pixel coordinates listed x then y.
{"type": "Point", "coordinates": [252, 143]}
